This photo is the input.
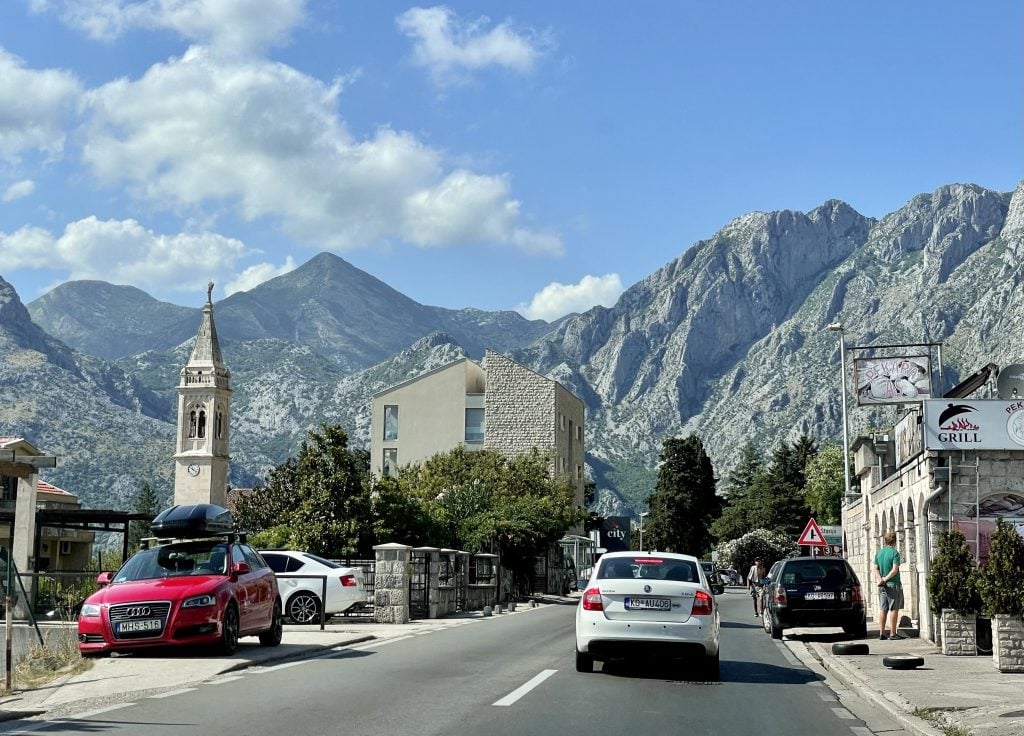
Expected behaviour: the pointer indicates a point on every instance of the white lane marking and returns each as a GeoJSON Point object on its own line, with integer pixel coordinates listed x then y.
{"type": "Point", "coordinates": [843, 713]}
{"type": "Point", "coordinates": [815, 683]}
{"type": "Point", "coordinates": [826, 696]}
{"type": "Point", "coordinates": [369, 646]}
{"type": "Point", "coordinates": [226, 678]}
{"type": "Point", "coordinates": [524, 689]}
{"type": "Point", "coordinates": [91, 713]}
{"type": "Point", "coordinates": [173, 692]}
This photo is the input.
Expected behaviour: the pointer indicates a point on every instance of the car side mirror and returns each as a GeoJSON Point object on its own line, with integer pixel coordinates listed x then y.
{"type": "Point", "coordinates": [241, 568]}
{"type": "Point", "coordinates": [104, 578]}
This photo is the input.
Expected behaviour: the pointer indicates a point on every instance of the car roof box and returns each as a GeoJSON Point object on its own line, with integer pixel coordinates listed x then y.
{"type": "Point", "coordinates": [193, 520]}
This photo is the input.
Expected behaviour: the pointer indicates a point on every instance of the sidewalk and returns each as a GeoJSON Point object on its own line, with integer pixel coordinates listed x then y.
{"type": "Point", "coordinates": [957, 691]}
{"type": "Point", "coordinates": [124, 678]}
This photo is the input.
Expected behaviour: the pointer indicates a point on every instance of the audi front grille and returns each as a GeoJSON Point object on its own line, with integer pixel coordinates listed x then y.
{"type": "Point", "coordinates": [136, 613]}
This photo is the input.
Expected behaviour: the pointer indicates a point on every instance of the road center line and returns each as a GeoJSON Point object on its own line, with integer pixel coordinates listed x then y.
{"type": "Point", "coordinates": [520, 691]}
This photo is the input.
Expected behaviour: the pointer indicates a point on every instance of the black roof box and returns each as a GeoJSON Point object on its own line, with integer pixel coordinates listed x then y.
{"type": "Point", "coordinates": [193, 520]}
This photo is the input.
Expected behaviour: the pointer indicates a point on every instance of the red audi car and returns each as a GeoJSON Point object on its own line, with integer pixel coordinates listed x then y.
{"type": "Point", "coordinates": [207, 591]}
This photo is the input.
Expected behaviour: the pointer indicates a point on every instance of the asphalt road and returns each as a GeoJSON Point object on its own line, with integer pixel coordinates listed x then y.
{"type": "Point", "coordinates": [498, 676]}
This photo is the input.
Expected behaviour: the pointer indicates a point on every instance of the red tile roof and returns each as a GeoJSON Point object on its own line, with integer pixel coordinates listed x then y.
{"type": "Point", "coordinates": [42, 485]}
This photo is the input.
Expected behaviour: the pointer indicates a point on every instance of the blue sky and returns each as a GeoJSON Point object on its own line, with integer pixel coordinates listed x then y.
{"type": "Point", "coordinates": [539, 156]}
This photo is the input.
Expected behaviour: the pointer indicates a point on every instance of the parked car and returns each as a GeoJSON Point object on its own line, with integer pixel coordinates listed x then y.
{"type": "Point", "coordinates": [648, 604]}
{"type": "Point", "coordinates": [303, 595]}
{"type": "Point", "coordinates": [814, 591]}
{"type": "Point", "coordinates": [197, 591]}
{"type": "Point", "coordinates": [711, 573]}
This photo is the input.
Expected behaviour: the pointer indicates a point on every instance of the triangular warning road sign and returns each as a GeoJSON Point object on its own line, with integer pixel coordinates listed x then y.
{"type": "Point", "coordinates": [812, 536]}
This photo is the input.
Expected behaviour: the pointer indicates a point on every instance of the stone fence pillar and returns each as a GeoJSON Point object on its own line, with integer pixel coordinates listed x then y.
{"type": "Point", "coordinates": [391, 583]}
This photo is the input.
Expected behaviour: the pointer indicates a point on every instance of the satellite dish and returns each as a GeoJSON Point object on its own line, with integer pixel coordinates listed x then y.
{"type": "Point", "coordinates": [1010, 384]}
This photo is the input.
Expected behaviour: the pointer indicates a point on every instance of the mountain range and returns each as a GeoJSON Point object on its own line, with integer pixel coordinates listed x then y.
{"type": "Point", "coordinates": [728, 340]}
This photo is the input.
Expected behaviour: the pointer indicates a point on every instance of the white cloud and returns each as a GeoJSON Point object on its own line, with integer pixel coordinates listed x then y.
{"type": "Point", "coordinates": [34, 107]}
{"type": "Point", "coordinates": [267, 140]}
{"type": "Point", "coordinates": [449, 47]}
{"type": "Point", "coordinates": [124, 252]}
{"type": "Point", "coordinates": [233, 26]}
{"type": "Point", "coordinates": [557, 300]}
{"type": "Point", "coordinates": [18, 190]}
{"type": "Point", "coordinates": [253, 276]}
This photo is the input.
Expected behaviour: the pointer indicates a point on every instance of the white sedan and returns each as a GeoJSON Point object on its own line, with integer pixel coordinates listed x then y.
{"type": "Point", "coordinates": [300, 578]}
{"type": "Point", "coordinates": [655, 604]}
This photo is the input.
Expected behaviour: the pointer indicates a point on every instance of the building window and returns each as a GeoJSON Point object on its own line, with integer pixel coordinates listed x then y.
{"type": "Point", "coordinates": [562, 416]}
{"type": "Point", "coordinates": [201, 433]}
{"type": "Point", "coordinates": [192, 424]}
{"type": "Point", "coordinates": [579, 434]}
{"type": "Point", "coordinates": [579, 472]}
{"type": "Point", "coordinates": [219, 426]}
{"type": "Point", "coordinates": [390, 464]}
{"type": "Point", "coordinates": [561, 464]}
{"type": "Point", "coordinates": [474, 425]}
{"type": "Point", "coordinates": [391, 422]}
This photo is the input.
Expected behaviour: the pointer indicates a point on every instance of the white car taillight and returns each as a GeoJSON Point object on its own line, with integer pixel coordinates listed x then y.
{"type": "Point", "coordinates": [703, 604]}
{"type": "Point", "coordinates": [592, 600]}
{"type": "Point", "coordinates": [780, 596]}
{"type": "Point", "coordinates": [348, 581]}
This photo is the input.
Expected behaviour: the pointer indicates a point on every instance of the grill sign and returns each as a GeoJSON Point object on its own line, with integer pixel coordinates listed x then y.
{"type": "Point", "coordinates": [986, 424]}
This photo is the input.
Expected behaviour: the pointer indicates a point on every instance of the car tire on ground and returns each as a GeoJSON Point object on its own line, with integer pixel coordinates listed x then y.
{"type": "Point", "coordinates": [303, 608]}
{"type": "Point", "coordinates": [272, 636]}
{"type": "Point", "coordinates": [766, 623]}
{"type": "Point", "coordinates": [712, 668]}
{"type": "Point", "coordinates": [902, 661]}
{"type": "Point", "coordinates": [229, 630]}
{"type": "Point", "coordinates": [584, 662]}
{"type": "Point", "coordinates": [849, 647]}
{"type": "Point", "coordinates": [775, 631]}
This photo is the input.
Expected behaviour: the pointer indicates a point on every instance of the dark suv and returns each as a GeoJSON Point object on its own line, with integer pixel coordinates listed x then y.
{"type": "Point", "coordinates": [714, 578]}
{"type": "Point", "coordinates": [814, 591]}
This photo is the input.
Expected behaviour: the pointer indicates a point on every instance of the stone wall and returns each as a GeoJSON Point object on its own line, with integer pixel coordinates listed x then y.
{"type": "Point", "coordinates": [520, 407]}
{"type": "Point", "coordinates": [391, 584]}
{"type": "Point", "coordinates": [959, 634]}
{"type": "Point", "coordinates": [1008, 643]}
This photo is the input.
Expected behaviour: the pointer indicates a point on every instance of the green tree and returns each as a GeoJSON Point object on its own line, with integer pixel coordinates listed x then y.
{"type": "Point", "coordinates": [147, 503]}
{"type": "Point", "coordinates": [332, 511]}
{"type": "Point", "coordinates": [737, 517]}
{"type": "Point", "coordinates": [826, 483]}
{"type": "Point", "coordinates": [764, 544]}
{"type": "Point", "coordinates": [777, 496]}
{"type": "Point", "coordinates": [398, 516]}
{"type": "Point", "coordinates": [684, 503]}
{"type": "Point", "coordinates": [268, 506]}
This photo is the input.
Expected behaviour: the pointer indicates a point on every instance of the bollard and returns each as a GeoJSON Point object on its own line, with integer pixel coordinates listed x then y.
{"type": "Point", "coordinates": [533, 604]}
{"type": "Point", "coordinates": [511, 606]}
{"type": "Point", "coordinates": [497, 608]}
{"type": "Point", "coordinates": [487, 611]}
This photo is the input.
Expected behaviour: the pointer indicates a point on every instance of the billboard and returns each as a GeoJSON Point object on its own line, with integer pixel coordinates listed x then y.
{"type": "Point", "coordinates": [899, 379]}
{"type": "Point", "coordinates": [615, 534]}
{"type": "Point", "coordinates": [984, 424]}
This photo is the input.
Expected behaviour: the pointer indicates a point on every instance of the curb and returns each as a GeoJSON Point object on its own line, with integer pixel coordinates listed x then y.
{"type": "Point", "coordinates": [898, 711]}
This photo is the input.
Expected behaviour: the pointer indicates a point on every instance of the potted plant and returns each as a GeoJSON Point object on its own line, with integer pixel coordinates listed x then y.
{"type": "Point", "coordinates": [1001, 583]}
{"type": "Point", "coordinates": [953, 590]}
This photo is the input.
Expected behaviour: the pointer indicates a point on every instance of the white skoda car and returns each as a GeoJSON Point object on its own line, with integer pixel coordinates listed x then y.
{"type": "Point", "coordinates": [648, 604]}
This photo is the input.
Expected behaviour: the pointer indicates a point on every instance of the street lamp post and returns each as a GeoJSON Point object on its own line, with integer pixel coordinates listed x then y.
{"type": "Point", "coordinates": [838, 327]}
{"type": "Point", "coordinates": [642, 515]}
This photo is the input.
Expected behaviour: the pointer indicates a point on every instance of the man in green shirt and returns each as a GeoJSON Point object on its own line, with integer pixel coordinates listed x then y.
{"type": "Point", "coordinates": [890, 592]}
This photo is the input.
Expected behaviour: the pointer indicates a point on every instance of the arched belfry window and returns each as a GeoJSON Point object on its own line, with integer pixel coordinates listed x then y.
{"type": "Point", "coordinates": [202, 424]}
{"type": "Point", "coordinates": [219, 426]}
{"type": "Point", "coordinates": [192, 424]}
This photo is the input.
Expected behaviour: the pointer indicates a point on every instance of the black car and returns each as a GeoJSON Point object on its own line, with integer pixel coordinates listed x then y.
{"type": "Point", "coordinates": [714, 579]}
{"type": "Point", "coordinates": [814, 591]}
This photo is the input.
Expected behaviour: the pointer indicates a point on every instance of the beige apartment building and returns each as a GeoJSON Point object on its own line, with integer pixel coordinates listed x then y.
{"type": "Point", "coordinates": [496, 405]}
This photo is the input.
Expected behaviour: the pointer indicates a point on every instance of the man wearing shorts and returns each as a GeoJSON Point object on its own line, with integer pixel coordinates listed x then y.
{"type": "Point", "coordinates": [890, 592]}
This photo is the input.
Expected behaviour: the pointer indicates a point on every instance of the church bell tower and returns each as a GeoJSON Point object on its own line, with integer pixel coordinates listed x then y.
{"type": "Point", "coordinates": [204, 412]}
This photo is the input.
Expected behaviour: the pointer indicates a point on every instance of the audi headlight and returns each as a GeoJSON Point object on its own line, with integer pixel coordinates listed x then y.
{"type": "Point", "coordinates": [199, 601]}
{"type": "Point", "coordinates": [90, 610]}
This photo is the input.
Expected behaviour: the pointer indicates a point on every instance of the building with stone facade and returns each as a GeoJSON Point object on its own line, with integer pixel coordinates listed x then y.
{"type": "Point", "coordinates": [946, 463]}
{"type": "Point", "coordinates": [496, 405]}
{"type": "Point", "coordinates": [204, 419]}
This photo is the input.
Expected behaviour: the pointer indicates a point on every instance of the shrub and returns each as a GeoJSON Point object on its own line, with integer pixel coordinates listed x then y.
{"type": "Point", "coordinates": [952, 577]}
{"type": "Point", "coordinates": [1001, 580]}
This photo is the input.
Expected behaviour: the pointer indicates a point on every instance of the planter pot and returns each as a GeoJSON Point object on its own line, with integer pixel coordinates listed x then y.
{"type": "Point", "coordinates": [959, 633]}
{"type": "Point", "coordinates": [1008, 643]}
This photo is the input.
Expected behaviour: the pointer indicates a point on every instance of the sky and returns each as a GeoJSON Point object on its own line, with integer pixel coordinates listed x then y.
{"type": "Point", "coordinates": [537, 156]}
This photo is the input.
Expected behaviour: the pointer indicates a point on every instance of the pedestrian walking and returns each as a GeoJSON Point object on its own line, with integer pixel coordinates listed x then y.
{"type": "Point", "coordinates": [754, 577]}
{"type": "Point", "coordinates": [890, 591]}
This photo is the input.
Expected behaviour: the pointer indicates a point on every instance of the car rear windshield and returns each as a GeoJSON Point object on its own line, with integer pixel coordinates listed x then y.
{"type": "Point", "coordinates": [822, 572]}
{"type": "Point", "coordinates": [650, 567]}
{"type": "Point", "coordinates": [173, 560]}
